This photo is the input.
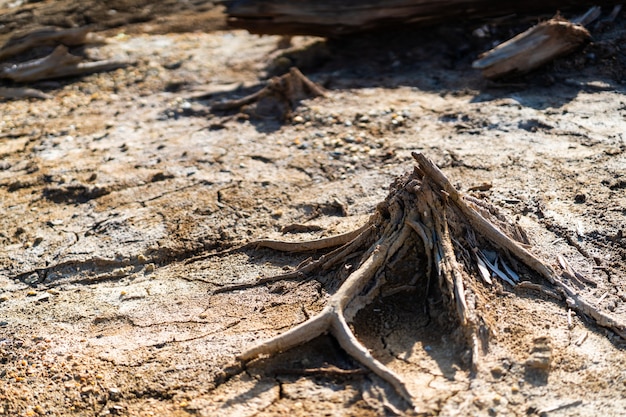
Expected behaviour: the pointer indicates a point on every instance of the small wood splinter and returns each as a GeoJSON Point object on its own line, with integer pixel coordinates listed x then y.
{"type": "Point", "coordinates": [422, 209]}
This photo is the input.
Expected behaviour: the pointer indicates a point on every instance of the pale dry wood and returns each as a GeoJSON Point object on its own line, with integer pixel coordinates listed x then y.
{"type": "Point", "coordinates": [480, 224]}
{"type": "Point", "coordinates": [309, 245]}
{"type": "Point", "coordinates": [286, 90]}
{"type": "Point", "coordinates": [423, 204]}
{"type": "Point", "coordinates": [533, 48]}
{"type": "Point", "coordinates": [573, 275]}
{"type": "Point", "coordinates": [22, 92]}
{"type": "Point", "coordinates": [60, 63]}
{"type": "Point", "coordinates": [500, 239]}
{"type": "Point", "coordinates": [22, 42]}
{"type": "Point", "coordinates": [332, 320]}
{"type": "Point", "coordinates": [323, 263]}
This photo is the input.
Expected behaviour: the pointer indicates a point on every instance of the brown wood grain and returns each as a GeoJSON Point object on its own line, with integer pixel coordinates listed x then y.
{"type": "Point", "coordinates": [338, 17]}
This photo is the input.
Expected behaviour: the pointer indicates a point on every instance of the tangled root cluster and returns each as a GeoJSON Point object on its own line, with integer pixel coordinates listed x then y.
{"type": "Point", "coordinates": [455, 238]}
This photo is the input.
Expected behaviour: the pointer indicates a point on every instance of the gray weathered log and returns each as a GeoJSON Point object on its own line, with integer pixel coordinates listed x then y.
{"type": "Point", "coordinates": [338, 17]}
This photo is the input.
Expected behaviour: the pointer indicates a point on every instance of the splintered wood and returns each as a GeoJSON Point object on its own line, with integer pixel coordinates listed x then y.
{"type": "Point", "coordinates": [531, 49]}
{"type": "Point", "coordinates": [277, 99]}
{"type": "Point", "coordinates": [423, 209]}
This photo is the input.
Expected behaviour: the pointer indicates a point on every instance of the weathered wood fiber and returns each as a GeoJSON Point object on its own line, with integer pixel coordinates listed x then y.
{"type": "Point", "coordinates": [338, 17]}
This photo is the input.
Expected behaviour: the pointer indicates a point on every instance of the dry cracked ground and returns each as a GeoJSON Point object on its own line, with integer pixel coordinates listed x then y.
{"type": "Point", "coordinates": [120, 193]}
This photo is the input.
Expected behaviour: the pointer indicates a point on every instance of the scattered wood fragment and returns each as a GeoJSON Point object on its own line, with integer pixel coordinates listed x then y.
{"type": "Point", "coordinates": [485, 186]}
{"type": "Point", "coordinates": [591, 15]}
{"type": "Point", "coordinates": [571, 274]}
{"type": "Point", "coordinates": [539, 288]}
{"type": "Point", "coordinates": [60, 63]}
{"type": "Point", "coordinates": [22, 42]}
{"type": "Point", "coordinates": [425, 212]}
{"type": "Point", "coordinates": [277, 99]}
{"type": "Point", "coordinates": [544, 412]}
{"type": "Point", "coordinates": [22, 92]}
{"type": "Point", "coordinates": [581, 339]}
{"type": "Point", "coordinates": [533, 48]}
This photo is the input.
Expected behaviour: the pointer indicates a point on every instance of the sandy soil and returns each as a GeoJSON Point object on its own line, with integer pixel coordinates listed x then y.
{"type": "Point", "coordinates": [119, 193]}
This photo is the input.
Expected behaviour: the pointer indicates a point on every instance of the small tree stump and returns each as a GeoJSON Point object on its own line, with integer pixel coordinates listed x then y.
{"type": "Point", "coordinates": [449, 231]}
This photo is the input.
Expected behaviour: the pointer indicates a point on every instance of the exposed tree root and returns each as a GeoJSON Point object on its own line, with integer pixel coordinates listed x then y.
{"type": "Point", "coordinates": [450, 230]}
{"type": "Point", "coordinates": [277, 99]}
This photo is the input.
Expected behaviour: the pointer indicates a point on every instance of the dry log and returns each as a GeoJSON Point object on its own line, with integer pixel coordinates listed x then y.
{"type": "Point", "coordinates": [277, 99]}
{"type": "Point", "coordinates": [531, 49]}
{"type": "Point", "coordinates": [60, 63]}
{"type": "Point", "coordinates": [333, 18]}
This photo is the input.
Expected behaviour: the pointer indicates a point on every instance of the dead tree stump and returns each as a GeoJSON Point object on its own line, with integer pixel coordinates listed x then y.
{"type": "Point", "coordinates": [451, 234]}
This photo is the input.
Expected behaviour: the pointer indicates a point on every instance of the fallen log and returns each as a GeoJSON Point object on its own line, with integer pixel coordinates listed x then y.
{"type": "Point", "coordinates": [332, 18]}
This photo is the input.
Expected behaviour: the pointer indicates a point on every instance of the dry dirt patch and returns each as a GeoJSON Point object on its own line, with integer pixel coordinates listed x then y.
{"type": "Point", "coordinates": [115, 191]}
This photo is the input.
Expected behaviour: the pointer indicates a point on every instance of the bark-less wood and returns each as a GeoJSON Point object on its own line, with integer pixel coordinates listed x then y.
{"type": "Point", "coordinates": [531, 49]}
{"type": "Point", "coordinates": [60, 63]}
{"type": "Point", "coordinates": [277, 98]}
{"type": "Point", "coordinates": [425, 205]}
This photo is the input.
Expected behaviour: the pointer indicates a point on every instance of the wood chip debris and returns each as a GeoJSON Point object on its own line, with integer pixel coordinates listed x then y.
{"type": "Point", "coordinates": [581, 339]}
{"type": "Point", "coordinates": [510, 277]}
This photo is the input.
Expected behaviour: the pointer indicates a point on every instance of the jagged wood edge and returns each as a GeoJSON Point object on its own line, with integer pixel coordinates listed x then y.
{"type": "Point", "coordinates": [279, 84]}
{"type": "Point", "coordinates": [347, 301]}
{"type": "Point", "coordinates": [341, 306]}
{"type": "Point", "coordinates": [489, 231]}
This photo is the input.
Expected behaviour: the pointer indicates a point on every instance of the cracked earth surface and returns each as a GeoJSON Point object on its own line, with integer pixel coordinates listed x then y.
{"type": "Point", "coordinates": [114, 193]}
